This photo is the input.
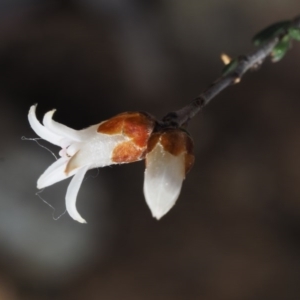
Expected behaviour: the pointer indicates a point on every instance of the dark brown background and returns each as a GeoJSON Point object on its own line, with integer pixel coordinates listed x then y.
{"type": "Point", "coordinates": [235, 231]}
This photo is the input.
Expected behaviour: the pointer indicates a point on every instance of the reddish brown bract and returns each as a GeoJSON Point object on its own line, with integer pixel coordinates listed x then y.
{"type": "Point", "coordinates": [176, 142]}
{"type": "Point", "coordinates": [137, 127]}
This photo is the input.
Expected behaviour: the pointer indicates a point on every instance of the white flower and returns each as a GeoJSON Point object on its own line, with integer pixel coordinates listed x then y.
{"type": "Point", "coordinates": [124, 138]}
{"type": "Point", "coordinates": [169, 157]}
{"type": "Point", "coordinates": [121, 139]}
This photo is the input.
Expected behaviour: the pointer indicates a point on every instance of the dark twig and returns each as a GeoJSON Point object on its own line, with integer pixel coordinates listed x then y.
{"type": "Point", "coordinates": [182, 116]}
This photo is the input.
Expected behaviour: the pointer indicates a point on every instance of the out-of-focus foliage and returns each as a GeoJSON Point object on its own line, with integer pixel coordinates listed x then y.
{"type": "Point", "coordinates": [281, 49]}
{"type": "Point", "coordinates": [294, 33]}
{"type": "Point", "coordinates": [271, 32]}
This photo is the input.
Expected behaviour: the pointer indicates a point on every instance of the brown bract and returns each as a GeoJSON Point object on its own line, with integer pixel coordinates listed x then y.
{"type": "Point", "coordinates": [176, 142]}
{"type": "Point", "coordinates": [134, 125]}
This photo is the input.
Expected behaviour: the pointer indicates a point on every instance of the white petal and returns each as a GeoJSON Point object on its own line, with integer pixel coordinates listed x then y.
{"type": "Point", "coordinates": [60, 129]}
{"type": "Point", "coordinates": [72, 194]}
{"type": "Point", "coordinates": [41, 130]}
{"type": "Point", "coordinates": [163, 179]}
{"type": "Point", "coordinates": [96, 151]}
{"type": "Point", "coordinates": [55, 173]}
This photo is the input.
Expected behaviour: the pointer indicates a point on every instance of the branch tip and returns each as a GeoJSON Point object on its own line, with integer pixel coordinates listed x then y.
{"type": "Point", "coordinates": [273, 42]}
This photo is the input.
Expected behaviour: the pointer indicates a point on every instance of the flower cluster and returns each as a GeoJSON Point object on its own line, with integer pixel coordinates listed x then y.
{"type": "Point", "coordinates": [125, 138]}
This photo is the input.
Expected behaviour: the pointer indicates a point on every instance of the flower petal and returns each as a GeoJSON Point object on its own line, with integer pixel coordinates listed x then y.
{"type": "Point", "coordinates": [95, 152]}
{"type": "Point", "coordinates": [163, 179]}
{"type": "Point", "coordinates": [72, 194]}
{"type": "Point", "coordinates": [41, 130]}
{"type": "Point", "coordinates": [60, 129]}
{"type": "Point", "coordinates": [55, 173]}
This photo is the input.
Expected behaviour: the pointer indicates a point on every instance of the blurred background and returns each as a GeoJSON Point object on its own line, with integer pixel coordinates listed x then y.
{"type": "Point", "coordinates": [235, 230]}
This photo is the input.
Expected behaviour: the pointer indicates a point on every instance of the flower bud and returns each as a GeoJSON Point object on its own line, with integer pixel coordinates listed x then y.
{"type": "Point", "coordinates": [169, 157]}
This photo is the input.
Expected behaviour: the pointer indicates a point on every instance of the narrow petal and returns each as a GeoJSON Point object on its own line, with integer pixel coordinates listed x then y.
{"type": "Point", "coordinates": [61, 129]}
{"type": "Point", "coordinates": [41, 130]}
{"type": "Point", "coordinates": [163, 179]}
{"type": "Point", "coordinates": [55, 173]}
{"type": "Point", "coordinates": [72, 194]}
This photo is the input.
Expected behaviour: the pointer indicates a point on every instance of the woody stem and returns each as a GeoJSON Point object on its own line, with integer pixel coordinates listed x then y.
{"type": "Point", "coordinates": [247, 62]}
